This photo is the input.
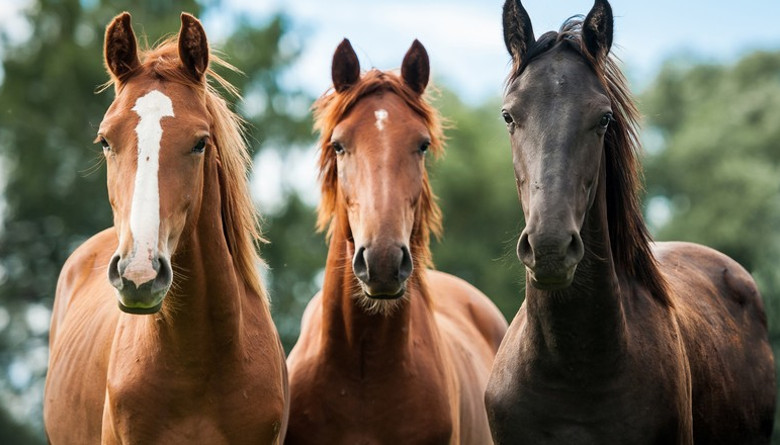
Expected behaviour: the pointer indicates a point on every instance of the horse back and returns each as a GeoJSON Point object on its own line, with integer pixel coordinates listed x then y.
{"type": "Point", "coordinates": [472, 328]}
{"type": "Point", "coordinates": [82, 329]}
{"type": "Point", "coordinates": [724, 328]}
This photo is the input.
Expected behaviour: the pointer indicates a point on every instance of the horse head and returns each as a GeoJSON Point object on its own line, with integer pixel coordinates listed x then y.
{"type": "Point", "coordinates": [155, 136]}
{"type": "Point", "coordinates": [557, 112]}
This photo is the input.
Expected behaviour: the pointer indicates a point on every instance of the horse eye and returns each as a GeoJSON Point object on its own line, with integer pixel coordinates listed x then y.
{"type": "Point", "coordinates": [337, 147]}
{"type": "Point", "coordinates": [200, 146]}
{"type": "Point", "coordinates": [104, 143]}
{"type": "Point", "coordinates": [507, 117]}
{"type": "Point", "coordinates": [424, 146]}
{"type": "Point", "coordinates": [605, 120]}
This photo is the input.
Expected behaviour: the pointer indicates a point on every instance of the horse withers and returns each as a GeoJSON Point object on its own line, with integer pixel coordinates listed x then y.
{"type": "Point", "coordinates": [161, 331]}
{"type": "Point", "coordinates": [390, 351]}
{"type": "Point", "coordinates": [619, 340]}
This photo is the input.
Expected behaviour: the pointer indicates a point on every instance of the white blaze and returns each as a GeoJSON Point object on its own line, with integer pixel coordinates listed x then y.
{"type": "Point", "coordinates": [145, 210]}
{"type": "Point", "coordinates": [381, 115]}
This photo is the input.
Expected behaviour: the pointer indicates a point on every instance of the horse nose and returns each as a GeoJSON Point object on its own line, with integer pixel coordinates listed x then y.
{"type": "Point", "coordinates": [551, 257]}
{"type": "Point", "coordinates": [140, 293]}
{"type": "Point", "coordinates": [383, 271]}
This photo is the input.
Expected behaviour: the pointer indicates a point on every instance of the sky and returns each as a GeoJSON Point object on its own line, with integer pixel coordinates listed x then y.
{"type": "Point", "coordinates": [465, 42]}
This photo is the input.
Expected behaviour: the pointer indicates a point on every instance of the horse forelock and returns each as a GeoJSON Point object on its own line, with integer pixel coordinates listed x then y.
{"type": "Point", "coordinates": [629, 238]}
{"type": "Point", "coordinates": [332, 108]}
{"type": "Point", "coordinates": [240, 217]}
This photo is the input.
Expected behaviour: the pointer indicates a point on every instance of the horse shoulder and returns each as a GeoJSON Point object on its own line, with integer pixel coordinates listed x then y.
{"type": "Point", "coordinates": [83, 322]}
{"type": "Point", "coordinates": [80, 267]}
{"type": "Point", "coordinates": [308, 339]}
{"type": "Point", "coordinates": [464, 304]}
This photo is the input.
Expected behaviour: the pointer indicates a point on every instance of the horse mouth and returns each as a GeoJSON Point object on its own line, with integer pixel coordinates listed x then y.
{"type": "Point", "coordinates": [140, 310]}
{"type": "Point", "coordinates": [384, 295]}
{"type": "Point", "coordinates": [140, 303]}
{"type": "Point", "coordinates": [551, 281]}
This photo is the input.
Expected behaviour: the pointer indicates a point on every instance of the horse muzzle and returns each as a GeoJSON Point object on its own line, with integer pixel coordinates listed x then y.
{"type": "Point", "coordinates": [550, 260]}
{"type": "Point", "coordinates": [140, 288]}
{"type": "Point", "coordinates": [383, 271]}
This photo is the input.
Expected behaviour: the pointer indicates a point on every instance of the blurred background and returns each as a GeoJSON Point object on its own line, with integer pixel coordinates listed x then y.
{"type": "Point", "coordinates": [707, 79]}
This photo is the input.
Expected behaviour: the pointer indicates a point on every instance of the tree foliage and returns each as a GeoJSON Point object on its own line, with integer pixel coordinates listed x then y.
{"type": "Point", "coordinates": [482, 216]}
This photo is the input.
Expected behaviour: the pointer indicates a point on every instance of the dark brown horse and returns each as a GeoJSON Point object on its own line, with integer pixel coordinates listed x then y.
{"type": "Point", "coordinates": [390, 352]}
{"type": "Point", "coordinates": [205, 365]}
{"type": "Point", "coordinates": [619, 340]}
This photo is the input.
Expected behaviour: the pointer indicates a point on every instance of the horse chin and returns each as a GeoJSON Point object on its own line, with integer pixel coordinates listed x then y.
{"type": "Point", "coordinates": [382, 304]}
{"type": "Point", "coordinates": [551, 281]}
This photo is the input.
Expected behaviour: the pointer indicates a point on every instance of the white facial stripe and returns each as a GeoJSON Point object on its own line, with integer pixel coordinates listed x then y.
{"type": "Point", "coordinates": [145, 211]}
{"type": "Point", "coordinates": [381, 115]}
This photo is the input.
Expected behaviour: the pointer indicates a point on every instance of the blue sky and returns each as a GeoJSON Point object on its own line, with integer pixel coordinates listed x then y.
{"type": "Point", "coordinates": [465, 43]}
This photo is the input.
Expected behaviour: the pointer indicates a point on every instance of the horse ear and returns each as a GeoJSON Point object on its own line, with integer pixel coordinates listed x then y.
{"type": "Point", "coordinates": [416, 68]}
{"type": "Point", "coordinates": [518, 32]}
{"type": "Point", "coordinates": [597, 30]}
{"type": "Point", "coordinates": [120, 50]}
{"type": "Point", "coordinates": [193, 46]}
{"type": "Point", "coordinates": [345, 69]}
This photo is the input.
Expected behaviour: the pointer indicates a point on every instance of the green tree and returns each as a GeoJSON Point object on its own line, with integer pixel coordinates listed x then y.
{"type": "Point", "coordinates": [482, 216]}
{"type": "Point", "coordinates": [715, 166]}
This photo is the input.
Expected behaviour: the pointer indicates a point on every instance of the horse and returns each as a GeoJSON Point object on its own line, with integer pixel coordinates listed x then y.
{"type": "Point", "coordinates": [390, 351]}
{"type": "Point", "coordinates": [619, 339]}
{"type": "Point", "coordinates": [161, 331]}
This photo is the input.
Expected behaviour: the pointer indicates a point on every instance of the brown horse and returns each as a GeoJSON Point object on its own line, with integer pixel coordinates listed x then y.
{"type": "Point", "coordinates": [390, 352]}
{"type": "Point", "coordinates": [619, 340]}
{"type": "Point", "coordinates": [205, 365]}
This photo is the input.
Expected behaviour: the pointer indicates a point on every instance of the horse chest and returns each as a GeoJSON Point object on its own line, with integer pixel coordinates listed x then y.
{"type": "Point", "coordinates": [528, 401]}
{"type": "Point", "coordinates": [231, 406]}
{"type": "Point", "coordinates": [404, 408]}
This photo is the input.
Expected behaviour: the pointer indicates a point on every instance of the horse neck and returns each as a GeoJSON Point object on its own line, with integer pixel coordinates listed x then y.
{"type": "Point", "coordinates": [359, 338]}
{"type": "Point", "coordinates": [203, 313]}
{"type": "Point", "coordinates": [583, 323]}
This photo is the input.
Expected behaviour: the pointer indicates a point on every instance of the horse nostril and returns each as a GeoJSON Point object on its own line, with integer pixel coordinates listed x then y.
{"type": "Point", "coordinates": [359, 265]}
{"type": "Point", "coordinates": [406, 267]}
{"type": "Point", "coordinates": [164, 275]}
{"type": "Point", "coordinates": [524, 250]}
{"type": "Point", "coordinates": [576, 249]}
{"type": "Point", "coordinates": [114, 275]}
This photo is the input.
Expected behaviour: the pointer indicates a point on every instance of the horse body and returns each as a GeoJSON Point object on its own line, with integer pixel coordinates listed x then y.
{"type": "Point", "coordinates": [619, 340]}
{"type": "Point", "coordinates": [724, 329]}
{"type": "Point", "coordinates": [374, 364]}
{"type": "Point", "coordinates": [206, 365]}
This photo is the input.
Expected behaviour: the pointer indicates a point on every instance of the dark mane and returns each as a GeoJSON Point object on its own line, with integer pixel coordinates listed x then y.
{"type": "Point", "coordinates": [240, 217]}
{"type": "Point", "coordinates": [333, 107]}
{"type": "Point", "coordinates": [629, 238]}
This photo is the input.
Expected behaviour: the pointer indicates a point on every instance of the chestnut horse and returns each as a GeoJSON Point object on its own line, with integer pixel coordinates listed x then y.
{"type": "Point", "coordinates": [390, 352]}
{"type": "Point", "coordinates": [619, 340]}
{"type": "Point", "coordinates": [205, 365]}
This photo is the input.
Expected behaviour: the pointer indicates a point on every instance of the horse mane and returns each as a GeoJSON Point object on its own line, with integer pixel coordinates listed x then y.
{"type": "Point", "coordinates": [629, 238]}
{"type": "Point", "coordinates": [240, 220]}
{"type": "Point", "coordinates": [330, 109]}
